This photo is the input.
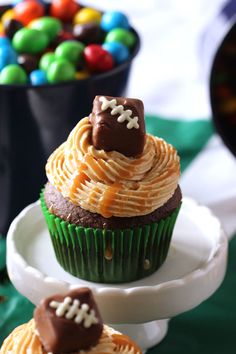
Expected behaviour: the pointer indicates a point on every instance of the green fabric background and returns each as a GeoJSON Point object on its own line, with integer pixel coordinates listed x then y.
{"type": "Point", "coordinates": [209, 328]}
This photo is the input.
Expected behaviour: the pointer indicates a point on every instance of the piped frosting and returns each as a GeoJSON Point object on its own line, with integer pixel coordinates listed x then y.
{"type": "Point", "coordinates": [110, 183]}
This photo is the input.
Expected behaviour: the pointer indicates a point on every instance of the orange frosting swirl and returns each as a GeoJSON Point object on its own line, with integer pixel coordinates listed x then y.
{"type": "Point", "coordinates": [24, 340]}
{"type": "Point", "coordinates": [109, 183]}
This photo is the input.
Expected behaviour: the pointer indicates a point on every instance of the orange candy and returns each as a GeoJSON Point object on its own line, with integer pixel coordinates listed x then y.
{"type": "Point", "coordinates": [27, 11]}
{"type": "Point", "coordinates": [64, 9]}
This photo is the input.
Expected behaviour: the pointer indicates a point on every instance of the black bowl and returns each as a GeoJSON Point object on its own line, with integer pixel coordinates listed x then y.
{"type": "Point", "coordinates": [223, 79]}
{"type": "Point", "coordinates": [34, 120]}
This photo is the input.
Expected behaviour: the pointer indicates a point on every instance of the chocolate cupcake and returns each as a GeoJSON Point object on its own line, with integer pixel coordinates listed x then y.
{"type": "Point", "coordinates": [68, 323]}
{"type": "Point", "coordinates": [112, 195]}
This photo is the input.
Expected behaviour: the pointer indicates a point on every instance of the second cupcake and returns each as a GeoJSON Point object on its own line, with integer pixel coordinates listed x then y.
{"type": "Point", "coordinates": [112, 195]}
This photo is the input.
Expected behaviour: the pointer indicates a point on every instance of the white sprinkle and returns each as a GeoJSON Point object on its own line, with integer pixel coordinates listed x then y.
{"type": "Point", "coordinates": [123, 114]}
{"type": "Point", "coordinates": [71, 310]}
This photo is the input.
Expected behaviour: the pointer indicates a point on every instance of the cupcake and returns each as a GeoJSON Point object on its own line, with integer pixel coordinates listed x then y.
{"type": "Point", "coordinates": [112, 196]}
{"type": "Point", "coordinates": [67, 324]}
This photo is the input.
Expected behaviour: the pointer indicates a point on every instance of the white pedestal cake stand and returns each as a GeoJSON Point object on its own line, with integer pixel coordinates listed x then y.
{"type": "Point", "coordinates": [193, 270]}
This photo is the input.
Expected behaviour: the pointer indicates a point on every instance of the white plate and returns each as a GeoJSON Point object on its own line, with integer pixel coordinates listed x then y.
{"type": "Point", "coordinates": [194, 268]}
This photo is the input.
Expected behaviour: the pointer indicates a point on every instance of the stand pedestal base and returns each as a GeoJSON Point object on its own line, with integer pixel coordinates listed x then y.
{"type": "Point", "coordinates": [146, 335]}
{"type": "Point", "coordinates": [194, 269]}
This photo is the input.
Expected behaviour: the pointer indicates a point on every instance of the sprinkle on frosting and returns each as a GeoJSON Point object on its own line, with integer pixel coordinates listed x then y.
{"type": "Point", "coordinates": [123, 115]}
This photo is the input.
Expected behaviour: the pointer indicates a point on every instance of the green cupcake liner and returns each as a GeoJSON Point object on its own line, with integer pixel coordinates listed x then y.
{"type": "Point", "coordinates": [110, 256]}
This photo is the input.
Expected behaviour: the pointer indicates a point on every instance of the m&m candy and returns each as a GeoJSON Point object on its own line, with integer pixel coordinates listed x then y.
{"type": "Point", "coordinates": [87, 15]}
{"type": "Point", "coordinates": [65, 10]}
{"type": "Point", "coordinates": [7, 55]}
{"type": "Point", "coordinates": [114, 19]}
{"type": "Point", "coordinates": [70, 50]}
{"type": "Point", "coordinates": [88, 33]}
{"type": "Point", "coordinates": [38, 77]}
{"type": "Point", "coordinates": [118, 51]}
{"type": "Point", "coordinates": [11, 26]}
{"type": "Point", "coordinates": [50, 42]}
{"type": "Point", "coordinates": [49, 25]}
{"type": "Point", "coordinates": [122, 35]}
{"type": "Point", "coordinates": [30, 41]}
{"type": "Point", "coordinates": [26, 11]}
{"type": "Point", "coordinates": [28, 62]}
{"type": "Point", "coordinates": [98, 59]}
{"type": "Point", "coordinates": [13, 74]}
{"type": "Point", "coordinates": [46, 60]}
{"type": "Point", "coordinates": [60, 70]}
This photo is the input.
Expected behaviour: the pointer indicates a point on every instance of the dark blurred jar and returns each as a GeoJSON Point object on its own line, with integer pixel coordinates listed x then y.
{"type": "Point", "coordinates": [219, 58]}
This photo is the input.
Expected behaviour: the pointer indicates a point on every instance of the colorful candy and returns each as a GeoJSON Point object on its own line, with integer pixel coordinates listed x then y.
{"type": "Point", "coordinates": [65, 10]}
{"type": "Point", "coordinates": [9, 14]}
{"type": "Point", "coordinates": [114, 19]}
{"type": "Point", "coordinates": [46, 60]}
{"type": "Point", "coordinates": [7, 54]}
{"type": "Point", "coordinates": [49, 25]}
{"type": "Point", "coordinates": [98, 59]}
{"type": "Point", "coordinates": [27, 11]}
{"type": "Point", "coordinates": [88, 33]}
{"type": "Point", "coordinates": [82, 74]}
{"type": "Point", "coordinates": [11, 26]}
{"type": "Point", "coordinates": [118, 51]}
{"type": "Point", "coordinates": [28, 62]}
{"type": "Point", "coordinates": [60, 41]}
{"type": "Point", "coordinates": [38, 77]}
{"type": "Point", "coordinates": [13, 74]}
{"type": "Point", "coordinates": [70, 50]}
{"type": "Point", "coordinates": [30, 41]}
{"type": "Point", "coordinates": [4, 41]}
{"type": "Point", "coordinates": [60, 70]}
{"type": "Point", "coordinates": [87, 15]}
{"type": "Point", "coordinates": [121, 35]}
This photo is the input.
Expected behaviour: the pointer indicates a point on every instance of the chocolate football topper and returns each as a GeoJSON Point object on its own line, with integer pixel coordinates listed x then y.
{"type": "Point", "coordinates": [68, 323]}
{"type": "Point", "coordinates": [118, 124]}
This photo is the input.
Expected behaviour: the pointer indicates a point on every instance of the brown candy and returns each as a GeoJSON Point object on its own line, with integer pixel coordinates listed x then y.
{"type": "Point", "coordinates": [66, 325]}
{"type": "Point", "coordinates": [11, 26]}
{"type": "Point", "coordinates": [28, 62]}
{"type": "Point", "coordinates": [88, 33]}
{"type": "Point", "coordinates": [118, 128]}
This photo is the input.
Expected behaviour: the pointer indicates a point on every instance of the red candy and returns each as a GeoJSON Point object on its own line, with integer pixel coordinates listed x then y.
{"type": "Point", "coordinates": [26, 11]}
{"type": "Point", "coordinates": [97, 58]}
{"type": "Point", "coordinates": [64, 9]}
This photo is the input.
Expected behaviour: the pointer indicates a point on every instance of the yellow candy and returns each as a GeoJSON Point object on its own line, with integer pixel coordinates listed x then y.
{"type": "Point", "coordinates": [8, 15]}
{"type": "Point", "coordinates": [86, 15]}
{"type": "Point", "coordinates": [1, 28]}
{"type": "Point", "coordinates": [83, 74]}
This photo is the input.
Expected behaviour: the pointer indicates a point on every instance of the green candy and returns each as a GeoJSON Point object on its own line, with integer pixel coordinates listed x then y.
{"type": "Point", "coordinates": [51, 26]}
{"type": "Point", "coordinates": [30, 41]}
{"type": "Point", "coordinates": [46, 60]}
{"type": "Point", "coordinates": [13, 74]}
{"type": "Point", "coordinates": [60, 70]}
{"type": "Point", "coordinates": [71, 51]}
{"type": "Point", "coordinates": [121, 35]}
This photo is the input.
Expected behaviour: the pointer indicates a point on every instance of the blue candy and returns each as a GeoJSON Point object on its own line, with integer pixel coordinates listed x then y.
{"type": "Point", "coordinates": [118, 51]}
{"type": "Point", "coordinates": [38, 77]}
{"type": "Point", "coordinates": [7, 56]}
{"type": "Point", "coordinates": [114, 19]}
{"type": "Point", "coordinates": [4, 41]}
